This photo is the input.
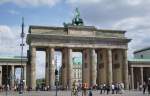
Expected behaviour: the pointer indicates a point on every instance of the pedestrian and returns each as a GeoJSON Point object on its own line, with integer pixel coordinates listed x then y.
{"type": "Point", "coordinates": [116, 88]}
{"type": "Point", "coordinates": [144, 87]}
{"type": "Point", "coordinates": [101, 88]}
{"type": "Point", "coordinates": [113, 88]}
{"type": "Point", "coordinates": [104, 87]}
{"type": "Point", "coordinates": [148, 87]}
{"type": "Point", "coordinates": [122, 87]}
{"type": "Point", "coordinates": [90, 92]}
{"type": "Point", "coordinates": [108, 88]}
{"type": "Point", "coordinates": [140, 87]}
{"type": "Point", "coordinates": [85, 89]}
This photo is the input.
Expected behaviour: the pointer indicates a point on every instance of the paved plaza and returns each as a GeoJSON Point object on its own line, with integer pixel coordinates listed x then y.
{"type": "Point", "coordinates": [68, 93]}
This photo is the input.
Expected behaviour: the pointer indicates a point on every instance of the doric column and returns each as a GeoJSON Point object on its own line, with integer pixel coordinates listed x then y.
{"type": "Point", "coordinates": [102, 64]}
{"type": "Point", "coordinates": [86, 67]}
{"type": "Point", "coordinates": [132, 77]}
{"type": "Point", "coordinates": [64, 68]}
{"type": "Point", "coordinates": [70, 65]}
{"type": "Point", "coordinates": [126, 78]}
{"type": "Point", "coordinates": [93, 67]}
{"type": "Point", "coordinates": [117, 65]}
{"type": "Point", "coordinates": [0, 75]}
{"type": "Point", "coordinates": [141, 70]}
{"type": "Point", "coordinates": [24, 75]}
{"type": "Point", "coordinates": [12, 76]}
{"type": "Point", "coordinates": [110, 78]}
{"type": "Point", "coordinates": [33, 68]}
{"type": "Point", "coordinates": [52, 68]}
{"type": "Point", "coordinates": [47, 67]}
{"type": "Point", "coordinates": [98, 67]}
{"type": "Point", "coordinates": [120, 64]}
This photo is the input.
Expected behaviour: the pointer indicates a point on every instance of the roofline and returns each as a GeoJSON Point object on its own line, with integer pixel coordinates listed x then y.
{"type": "Point", "coordinates": [43, 27]}
{"type": "Point", "coordinates": [74, 27]}
{"type": "Point", "coordinates": [47, 27]}
{"type": "Point", "coordinates": [140, 50]}
{"type": "Point", "coordinates": [105, 38]}
{"type": "Point", "coordinates": [109, 30]}
{"type": "Point", "coordinates": [13, 58]}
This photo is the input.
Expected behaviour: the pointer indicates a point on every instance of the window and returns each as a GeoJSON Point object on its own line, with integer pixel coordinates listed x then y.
{"type": "Point", "coordinates": [116, 56]}
{"type": "Point", "coordinates": [85, 65]}
{"type": "Point", "coordinates": [74, 74]}
{"type": "Point", "coordinates": [142, 56]}
{"type": "Point", "coordinates": [101, 57]}
{"type": "Point", "coordinates": [63, 65]}
{"type": "Point", "coordinates": [85, 56]}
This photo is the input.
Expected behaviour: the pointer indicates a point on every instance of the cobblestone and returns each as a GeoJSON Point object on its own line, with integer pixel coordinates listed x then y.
{"type": "Point", "coordinates": [68, 93]}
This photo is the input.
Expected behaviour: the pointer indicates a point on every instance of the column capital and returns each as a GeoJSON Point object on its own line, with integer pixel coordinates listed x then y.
{"type": "Point", "coordinates": [109, 48]}
{"type": "Point", "coordinates": [50, 47]}
{"type": "Point", "coordinates": [24, 65]}
{"type": "Point", "coordinates": [32, 47]}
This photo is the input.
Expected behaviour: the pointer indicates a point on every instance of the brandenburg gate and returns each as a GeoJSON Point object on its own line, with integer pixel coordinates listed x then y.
{"type": "Point", "coordinates": [109, 66]}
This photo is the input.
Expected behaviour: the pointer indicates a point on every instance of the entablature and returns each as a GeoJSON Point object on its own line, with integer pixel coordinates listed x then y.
{"type": "Point", "coordinates": [84, 31]}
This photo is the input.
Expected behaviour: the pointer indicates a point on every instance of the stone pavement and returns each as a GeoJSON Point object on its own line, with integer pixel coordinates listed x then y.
{"type": "Point", "coordinates": [68, 93]}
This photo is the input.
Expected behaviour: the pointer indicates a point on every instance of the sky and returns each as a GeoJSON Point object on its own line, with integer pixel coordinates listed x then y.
{"type": "Point", "coordinates": [130, 15]}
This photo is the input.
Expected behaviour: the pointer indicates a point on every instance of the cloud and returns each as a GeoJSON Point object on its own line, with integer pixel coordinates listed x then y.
{"type": "Point", "coordinates": [4, 1]}
{"type": "Point", "coordinates": [105, 13]}
{"type": "Point", "coordinates": [35, 3]}
{"type": "Point", "coordinates": [10, 41]}
{"type": "Point", "coordinates": [137, 2]}
{"type": "Point", "coordinates": [83, 1]}
{"type": "Point", "coordinates": [13, 12]}
{"type": "Point", "coordinates": [130, 15]}
{"type": "Point", "coordinates": [138, 29]}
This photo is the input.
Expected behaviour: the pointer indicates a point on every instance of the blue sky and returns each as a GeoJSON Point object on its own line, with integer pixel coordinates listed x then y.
{"type": "Point", "coordinates": [41, 15]}
{"type": "Point", "coordinates": [130, 15]}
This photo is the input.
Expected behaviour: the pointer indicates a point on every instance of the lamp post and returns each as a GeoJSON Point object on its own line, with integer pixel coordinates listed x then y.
{"type": "Point", "coordinates": [22, 44]}
{"type": "Point", "coordinates": [56, 79]}
{"type": "Point", "coordinates": [7, 81]}
{"type": "Point", "coordinates": [56, 76]}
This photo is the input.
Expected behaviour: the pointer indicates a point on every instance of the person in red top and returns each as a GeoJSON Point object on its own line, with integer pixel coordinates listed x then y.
{"type": "Point", "coordinates": [84, 85]}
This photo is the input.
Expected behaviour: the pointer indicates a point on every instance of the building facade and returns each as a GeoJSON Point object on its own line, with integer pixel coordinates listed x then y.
{"type": "Point", "coordinates": [109, 45]}
{"type": "Point", "coordinates": [142, 53]}
{"type": "Point", "coordinates": [139, 68]}
{"type": "Point", "coordinates": [77, 70]}
{"type": "Point", "coordinates": [8, 66]}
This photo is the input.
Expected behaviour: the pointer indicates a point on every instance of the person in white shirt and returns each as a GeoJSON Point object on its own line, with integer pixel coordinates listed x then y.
{"type": "Point", "coordinates": [113, 88]}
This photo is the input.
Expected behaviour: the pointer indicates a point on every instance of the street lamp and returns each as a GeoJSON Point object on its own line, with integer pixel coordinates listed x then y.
{"type": "Point", "coordinates": [56, 76]}
{"type": "Point", "coordinates": [56, 79]}
{"type": "Point", "coordinates": [22, 44]}
{"type": "Point", "coordinates": [7, 80]}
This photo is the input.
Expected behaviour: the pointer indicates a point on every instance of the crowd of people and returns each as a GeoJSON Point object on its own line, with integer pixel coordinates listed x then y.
{"type": "Point", "coordinates": [146, 86]}
{"type": "Point", "coordinates": [7, 88]}
{"type": "Point", "coordinates": [117, 88]}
